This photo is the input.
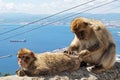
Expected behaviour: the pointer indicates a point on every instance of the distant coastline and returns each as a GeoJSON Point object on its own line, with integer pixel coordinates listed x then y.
{"type": "Point", "coordinates": [110, 19]}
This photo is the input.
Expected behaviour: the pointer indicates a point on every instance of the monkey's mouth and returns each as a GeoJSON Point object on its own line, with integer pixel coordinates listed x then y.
{"type": "Point", "coordinates": [21, 64]}
{"type": "Point", "coordinates": [81, 35]}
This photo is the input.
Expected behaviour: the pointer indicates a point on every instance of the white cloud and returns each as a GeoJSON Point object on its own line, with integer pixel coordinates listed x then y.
{"type": "Point", "coordinates": [54, 6]}
{"type": "Point", "coordinates": [68, 0]}
{"type": "Point", "coordinates": [5, 7]}
{"type": "Point", "coordinates": [10, 6]}
{"type": "Point", "coordinates": [109, 8]}
{"type": "Point", "coordinates": [13, 7]}
{"type": "Point", "coordinates": [24, 7]}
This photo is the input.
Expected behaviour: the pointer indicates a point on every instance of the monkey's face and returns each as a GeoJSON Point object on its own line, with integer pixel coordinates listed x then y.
{"type": "Point", "coordinates": [81, 29]}
{"type": "Point", "coordinates": [25, 57]}
{"type": "Point", "coordinates": [25, 60]}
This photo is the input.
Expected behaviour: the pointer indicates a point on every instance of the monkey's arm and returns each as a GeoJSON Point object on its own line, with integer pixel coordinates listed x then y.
{"type": "Point", "coordinates": [40, 70]}
{"type": "Point", "coordinates": [90, 50]}
{"type": "Point", "coordinates": [36, 72]}
{"type": "Point", "coordinates": [74, 46]}
{"type": "Point", "coordinates": [101, 34]}
{"type": "Point", "coordinates": [20, 72]}
{"type": "Point", "coordinates": [101, 43]}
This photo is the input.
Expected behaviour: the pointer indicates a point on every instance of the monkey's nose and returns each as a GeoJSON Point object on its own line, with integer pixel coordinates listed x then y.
{"type": "Point", "coordinates": [20, 61]}
{"type": "Point", "coordinates": [81, 33]}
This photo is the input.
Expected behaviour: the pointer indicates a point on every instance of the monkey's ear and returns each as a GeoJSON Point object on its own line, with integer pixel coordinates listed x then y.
{"type": "Point", "coordinates": [33, 54]}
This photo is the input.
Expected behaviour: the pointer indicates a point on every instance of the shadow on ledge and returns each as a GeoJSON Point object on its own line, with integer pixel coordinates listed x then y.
{"type": "Point", "coordinates": [81, 74]}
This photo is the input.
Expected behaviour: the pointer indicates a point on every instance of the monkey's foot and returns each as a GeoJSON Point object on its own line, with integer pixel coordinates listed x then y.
{"type": "Point", "coordinates": [20, 73]}
{"type": "Point", "coordinates": [95, 69]}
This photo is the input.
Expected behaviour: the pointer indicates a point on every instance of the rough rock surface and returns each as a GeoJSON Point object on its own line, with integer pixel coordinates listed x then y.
{"type": "Point", "coordinates": [81, 74]}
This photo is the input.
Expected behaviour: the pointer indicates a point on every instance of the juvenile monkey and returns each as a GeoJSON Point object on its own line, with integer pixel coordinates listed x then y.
{"type": "Point", "coordinates": [95, 41]}
{"type": "Point", "coordinates": [45, 63]}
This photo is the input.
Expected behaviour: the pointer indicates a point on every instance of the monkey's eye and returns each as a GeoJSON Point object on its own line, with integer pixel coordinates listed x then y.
{"type": "Point", "coordinates": [75, 29]}
{"type": "Point", "coordinates": [19, 56]}
{"type": "Point", "coordinates": [27, 57]}
{"type": "Point", "coordinates": [85, 24]}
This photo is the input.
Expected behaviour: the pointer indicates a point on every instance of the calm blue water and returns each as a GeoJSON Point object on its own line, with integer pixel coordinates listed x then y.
{"type": "Point", "coordinates": [47, 38]}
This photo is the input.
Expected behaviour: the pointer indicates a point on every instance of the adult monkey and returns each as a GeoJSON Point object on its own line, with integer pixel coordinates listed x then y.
{"type": "Point", "coordinates": [47, 63]}
{"type": "Point", "coordinates": [92, 38]}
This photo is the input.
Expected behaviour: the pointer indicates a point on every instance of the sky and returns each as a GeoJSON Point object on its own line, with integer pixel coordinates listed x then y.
{"type": "Point", "coordinates": [54, 6]}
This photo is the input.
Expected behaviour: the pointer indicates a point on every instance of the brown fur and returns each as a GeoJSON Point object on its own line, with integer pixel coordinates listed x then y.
{"type": "Point", "coordinates": [92, 38]}
{"type": "Point", "coordinates": [45, 63]}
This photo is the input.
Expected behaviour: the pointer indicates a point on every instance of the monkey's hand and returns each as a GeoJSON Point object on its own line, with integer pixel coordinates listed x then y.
{"type": "Point", "coordinates": [84, 53]}
{"type": "Point", "coordinates": [70, 51]}
{"type": "Point", "coordinates": [20, 72]}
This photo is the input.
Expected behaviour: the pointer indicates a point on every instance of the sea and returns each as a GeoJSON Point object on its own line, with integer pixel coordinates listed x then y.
{"type": "Point", "coordinates": [42, 39]}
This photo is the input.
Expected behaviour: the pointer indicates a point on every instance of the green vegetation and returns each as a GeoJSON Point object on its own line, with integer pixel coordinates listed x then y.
{"type": "Point", "coordinates": [6, 74]}
{"type": "Point", "coordinates": [0, 74]}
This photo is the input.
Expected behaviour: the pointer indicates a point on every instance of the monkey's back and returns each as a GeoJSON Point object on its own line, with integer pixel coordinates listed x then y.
{"type": "Point", "coordinates": [57, 62]}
